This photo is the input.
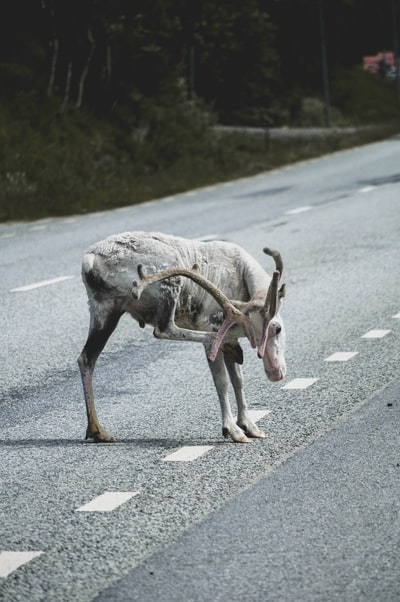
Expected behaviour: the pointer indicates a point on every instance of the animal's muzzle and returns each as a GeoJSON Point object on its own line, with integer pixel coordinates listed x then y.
{"type": "Point", "coordinates": [276, 374]}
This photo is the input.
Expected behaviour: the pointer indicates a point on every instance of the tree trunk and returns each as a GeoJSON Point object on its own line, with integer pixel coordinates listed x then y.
{"type": "Point", "coordinates": [53, 67]}
{"type": "Point", "coordinates": [85, 71]}
{"type": "Point", "coordinates": [67, 88]}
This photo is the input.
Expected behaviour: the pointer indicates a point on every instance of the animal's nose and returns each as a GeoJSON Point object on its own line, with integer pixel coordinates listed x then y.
{"type": "Point", "coordinates": [278, 329]}
{"type": "Point", "coordinates": [276, 374]}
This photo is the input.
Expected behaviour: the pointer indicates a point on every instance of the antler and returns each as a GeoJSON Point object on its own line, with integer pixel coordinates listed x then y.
{"type": "Point", "coordinates": [232, 314]}
{"type": "Point", "coordinates": [274, 294]}
{"type": "Point", "coordinates": [272, 299]}
{"type": "Point", "coordinates": [277, 257]}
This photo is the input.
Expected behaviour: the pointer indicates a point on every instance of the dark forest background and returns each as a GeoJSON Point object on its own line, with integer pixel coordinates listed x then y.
{"type": "Point", "coordinates": [100, 99]}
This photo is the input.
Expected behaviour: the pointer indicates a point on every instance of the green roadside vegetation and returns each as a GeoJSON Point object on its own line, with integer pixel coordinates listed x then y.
{"type": "Point", "coordinates": [60, 164]}
{"type": "Point", "coordinates": [105, 103]}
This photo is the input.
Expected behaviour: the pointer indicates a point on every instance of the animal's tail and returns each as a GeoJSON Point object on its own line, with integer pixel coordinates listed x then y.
{"type": "Point", "coordinates": [91, 275]}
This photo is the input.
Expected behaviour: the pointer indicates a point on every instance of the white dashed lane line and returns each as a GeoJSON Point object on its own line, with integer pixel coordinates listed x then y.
{"type": "Point", "coordinates": [188, 453]}
{"type": "Point", "coordinates": [298, 210]}
{"type": "Point", "coordinates": [341, 356]}
{"type": "Point", "coordinates": [207, 238]}
{"type": "Point", "coordinates": [257, 415]}
{"type": "Point", "coordinates": [108, 501]}
{"type": "Point", "coordinates": [300, 383]}
{"type": "Point", "coordinates": [375, 334]}
{"type": "Point", "coordinates": [38, 228]}
{"type": "Point", "coordinates": [11, 561]}
{"type": "Point", "coordinates": [30, 287]}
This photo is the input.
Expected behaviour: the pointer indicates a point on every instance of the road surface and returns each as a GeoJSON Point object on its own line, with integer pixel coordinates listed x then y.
{"type": "Point", "coordinates": [336, 221]}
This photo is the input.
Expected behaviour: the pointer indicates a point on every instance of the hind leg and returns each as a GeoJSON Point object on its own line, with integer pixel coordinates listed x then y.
{"type": "Point", "coordinates": [165, 327]}
{"type": "Point", "coordinates": [99, 334]}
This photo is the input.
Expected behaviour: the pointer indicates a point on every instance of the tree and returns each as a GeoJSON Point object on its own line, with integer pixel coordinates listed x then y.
{"type": "Point", "coordinates": [237, 67]}
{"type": "Point", "coordinates": [353, 28]}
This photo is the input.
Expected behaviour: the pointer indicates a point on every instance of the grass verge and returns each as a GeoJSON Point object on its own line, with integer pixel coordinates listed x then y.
{"type": "Point", "coordinates": [74, 164]}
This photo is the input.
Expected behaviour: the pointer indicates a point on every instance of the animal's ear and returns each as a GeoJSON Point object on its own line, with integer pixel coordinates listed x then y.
{"type": "Point", "coordinates": [233, 351]}
{"type": "Point", "coordinates": [282, 291]}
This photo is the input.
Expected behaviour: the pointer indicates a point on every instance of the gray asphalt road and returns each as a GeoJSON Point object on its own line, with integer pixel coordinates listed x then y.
{"type": "Point", "coordinates": [324, 526]}
{"type": "Point", "coordinates": [336, 221]}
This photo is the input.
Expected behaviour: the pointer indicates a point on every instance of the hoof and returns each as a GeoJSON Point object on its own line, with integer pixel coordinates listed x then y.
{"type": "Point", "coordinates": [260, 435]}
{"type": "Point", "coordinates": [252, 431]}
{"type": "Point", "coordinates": [236, 435]}
{"type": "Point", "coordinates": [104, 438]}
{"type": "Point", "coordinates": [99, 436]}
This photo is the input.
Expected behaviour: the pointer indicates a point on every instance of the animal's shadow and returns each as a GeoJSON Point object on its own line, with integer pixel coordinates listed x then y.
{"type": "Point", "coordinates": [166, 444]}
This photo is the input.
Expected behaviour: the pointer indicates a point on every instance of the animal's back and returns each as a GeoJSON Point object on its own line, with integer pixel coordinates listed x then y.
{"type": "Point", "coordinates": [110, 265]}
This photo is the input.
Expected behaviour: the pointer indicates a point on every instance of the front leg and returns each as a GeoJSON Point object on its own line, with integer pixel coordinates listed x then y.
{"type": "Point", "coordinates": [243, 420]}
{"type": "Point", "coordinates": [229, 426]}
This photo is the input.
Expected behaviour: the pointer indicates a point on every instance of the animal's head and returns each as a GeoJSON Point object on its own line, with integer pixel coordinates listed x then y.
{"type": "Point", "coordinates": [261, 321]}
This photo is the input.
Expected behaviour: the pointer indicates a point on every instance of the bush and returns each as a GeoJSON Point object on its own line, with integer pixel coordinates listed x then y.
{"type": "Point", "coordinates": [52, 164]}
{"type": "Point", "coordinates": [363, 97]}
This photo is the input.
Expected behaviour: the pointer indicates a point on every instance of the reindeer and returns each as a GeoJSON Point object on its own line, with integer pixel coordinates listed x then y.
{"type": "Point", "coordinates": [208, 292]}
